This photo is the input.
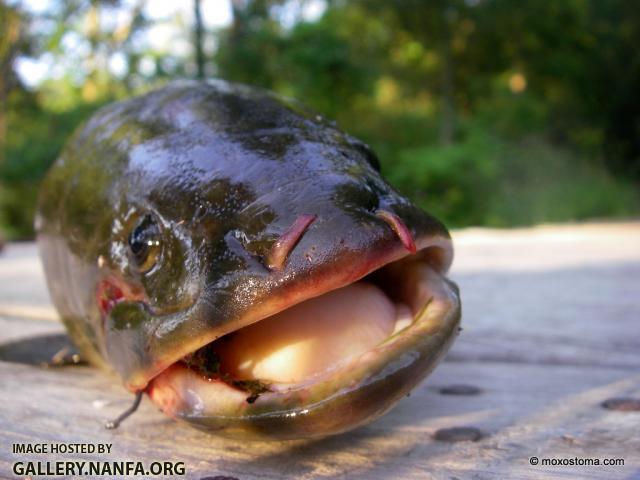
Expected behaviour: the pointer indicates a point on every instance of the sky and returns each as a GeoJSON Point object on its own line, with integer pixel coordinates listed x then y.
{"type": "Point", "coordinates": [166, 35]}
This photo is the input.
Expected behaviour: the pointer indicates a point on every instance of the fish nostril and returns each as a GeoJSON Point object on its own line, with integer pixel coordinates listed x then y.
{"type": "Point", "coordinates": [374, 195]}
{"type": "Point", "coordinates": [283, 246]}
{"type": "Point", "coordinates": [400, 229]}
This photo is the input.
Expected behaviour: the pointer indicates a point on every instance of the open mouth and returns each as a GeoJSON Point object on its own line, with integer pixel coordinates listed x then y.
{"type": "Point", "coordinates": [325, 364]}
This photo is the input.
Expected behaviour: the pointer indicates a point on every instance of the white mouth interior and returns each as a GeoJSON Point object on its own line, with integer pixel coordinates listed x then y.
{"type": "Point", "coordinates": [311, 337]}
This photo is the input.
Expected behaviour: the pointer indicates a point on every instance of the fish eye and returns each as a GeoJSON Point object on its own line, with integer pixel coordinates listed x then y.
{"type": "Point", "coordinates": [144, 243]}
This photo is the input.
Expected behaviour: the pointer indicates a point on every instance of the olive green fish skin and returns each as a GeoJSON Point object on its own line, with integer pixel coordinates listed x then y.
{"type": "Point", "coordinates": [225, 170]}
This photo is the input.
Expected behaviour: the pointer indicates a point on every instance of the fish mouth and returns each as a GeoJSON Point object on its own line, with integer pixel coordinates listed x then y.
{"type": "Point", "coordinates": [330, 358]}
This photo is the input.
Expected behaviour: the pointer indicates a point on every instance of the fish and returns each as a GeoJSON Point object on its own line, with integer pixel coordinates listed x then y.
{"type": "Point", "coordinates": [241, 261]}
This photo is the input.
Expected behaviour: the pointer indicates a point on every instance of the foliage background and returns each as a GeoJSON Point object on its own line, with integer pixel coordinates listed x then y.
{"type": "Point", "coordinates": [486, 112]}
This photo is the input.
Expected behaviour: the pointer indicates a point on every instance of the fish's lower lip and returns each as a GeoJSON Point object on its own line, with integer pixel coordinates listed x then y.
{"type": "Point", "coordinates": [184, 393]}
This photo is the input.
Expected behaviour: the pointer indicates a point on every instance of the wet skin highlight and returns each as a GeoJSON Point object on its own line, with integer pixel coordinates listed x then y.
{"type": "Point", "coordinates": [174, 220]}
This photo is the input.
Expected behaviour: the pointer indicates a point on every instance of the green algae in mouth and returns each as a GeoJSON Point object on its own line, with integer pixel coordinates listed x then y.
{"type": "Point", "coordinates": [206, 362]}
{"type": "Point", "coordinates": [255, 387]}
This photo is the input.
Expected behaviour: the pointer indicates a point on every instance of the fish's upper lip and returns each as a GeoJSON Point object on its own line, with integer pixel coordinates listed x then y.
{"type": "Point", "coordinates": [276, 303]}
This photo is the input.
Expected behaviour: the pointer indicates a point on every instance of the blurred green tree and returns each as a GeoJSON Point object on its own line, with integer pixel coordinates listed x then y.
{"type": "Point", "coordinates": [489, 112]}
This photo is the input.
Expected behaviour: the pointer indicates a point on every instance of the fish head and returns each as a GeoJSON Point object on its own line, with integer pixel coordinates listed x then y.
{"type": "Point", "coordinates": [252, 270]}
